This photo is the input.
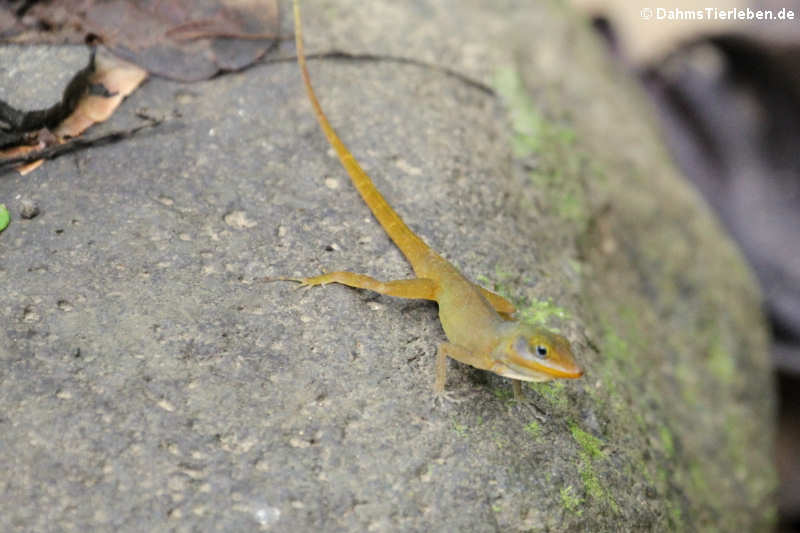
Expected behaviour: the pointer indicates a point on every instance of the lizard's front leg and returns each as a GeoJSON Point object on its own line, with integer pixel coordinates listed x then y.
{"type": "Point", "coordinates": [461, 354]}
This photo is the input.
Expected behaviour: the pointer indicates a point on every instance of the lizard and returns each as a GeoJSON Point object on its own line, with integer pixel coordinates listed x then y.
{"type": "Point", "coordinates": [477, 322]}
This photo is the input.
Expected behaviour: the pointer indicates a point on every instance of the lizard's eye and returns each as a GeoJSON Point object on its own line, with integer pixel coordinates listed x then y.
{"type": "Point", "coordinates": [526, 350]}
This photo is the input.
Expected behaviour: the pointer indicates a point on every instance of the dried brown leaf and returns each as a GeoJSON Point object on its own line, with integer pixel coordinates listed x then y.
{"type": "Point", "coordinates": [118, 78]}
{"type": "Point", "coordinates": [110, 81]}
{"type": "Point", "coordinates": [188, 40]}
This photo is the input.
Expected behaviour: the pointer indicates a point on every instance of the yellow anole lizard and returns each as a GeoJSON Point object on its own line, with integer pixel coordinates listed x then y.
{"type": "Point", "coordinates": [476, 321]}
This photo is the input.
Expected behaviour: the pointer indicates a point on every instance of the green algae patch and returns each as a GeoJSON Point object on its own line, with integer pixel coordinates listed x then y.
{"type": "Point", "coordinates": [589, 444]}
{"type": "Point", "coordinates": [541, 311]}
{"type": "Point", "coordinates": [530, 311]}
{"type": "Point", "coordinates": [667, 442]}
{"type": "Point", "coordinates": [504, 394]}
{"type": "Point", "coordinates": [558, 160]}
{"type": "Point", "coordinates": [589, 456]}
{"type": "Point", "coordinates": [571, 501]}
{"type": "Point", "coordinates": [534, 429]}
{"type": "Point", "coordinates": [460, 428]}
{"type": "Point", "coordinates": [552, 391]}
{"type": "Point", "coordinates": [532, 133]}
{"type": "Point", "coordinates": [675, 516]}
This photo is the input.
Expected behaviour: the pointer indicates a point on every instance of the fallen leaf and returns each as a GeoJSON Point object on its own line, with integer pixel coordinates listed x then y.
{"type": "Point", "coordinates": [93, 94]}
{"type": "Point", "coordinates": [187, 40]}
{"type": "Point", "coordinates": [118, 78]}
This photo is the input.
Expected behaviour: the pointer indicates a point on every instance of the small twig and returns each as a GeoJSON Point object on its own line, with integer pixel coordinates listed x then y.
{"type": "Point", "coordinates": [336, 54]}
{"type": "Point", "coordinates": [77, 143]}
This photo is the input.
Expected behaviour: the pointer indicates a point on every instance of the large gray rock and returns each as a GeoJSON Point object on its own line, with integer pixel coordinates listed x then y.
{"type": "Point", "coordinates": [148, 382]}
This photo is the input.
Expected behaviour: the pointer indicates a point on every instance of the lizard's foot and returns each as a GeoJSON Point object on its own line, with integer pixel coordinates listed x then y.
{"type": "Point", "coordinates": [444, 398]}
{"type": "Point", "coordinates": [302, 283]}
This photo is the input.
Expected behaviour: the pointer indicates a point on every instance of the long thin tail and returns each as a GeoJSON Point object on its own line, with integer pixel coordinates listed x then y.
{"type": "Point", "coordinates": [414, 248]}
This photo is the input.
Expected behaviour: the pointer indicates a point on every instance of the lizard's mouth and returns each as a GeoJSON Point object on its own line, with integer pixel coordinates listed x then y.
{"type": "Point", "coordinates": [566, 374]}
{"type": "Point", "coordinates": [526, 370]}
{"type": "Point", "coordinates": [512, 371]}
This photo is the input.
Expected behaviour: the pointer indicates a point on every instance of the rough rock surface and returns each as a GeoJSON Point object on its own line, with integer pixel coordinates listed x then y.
{"type": "Point", "coordinates": [148, 382]}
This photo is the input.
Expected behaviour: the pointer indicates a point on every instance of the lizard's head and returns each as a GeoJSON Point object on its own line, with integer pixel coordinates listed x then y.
{"type": "Point", "coordinates": [532, 353]}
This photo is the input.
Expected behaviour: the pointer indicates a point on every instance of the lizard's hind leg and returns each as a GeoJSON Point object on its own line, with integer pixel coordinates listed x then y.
{"type": "Point", "coordinates": [420, 288]}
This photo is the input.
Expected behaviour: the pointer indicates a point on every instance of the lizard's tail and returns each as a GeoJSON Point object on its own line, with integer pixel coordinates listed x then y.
{"type": "Point", "coordinates": [413, 247]}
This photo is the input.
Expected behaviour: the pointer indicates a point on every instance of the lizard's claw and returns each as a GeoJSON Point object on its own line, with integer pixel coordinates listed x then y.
{"type": "Point", "coordinates": [443, 398]}
{"type": "Point", "coordinates": [302, 283]}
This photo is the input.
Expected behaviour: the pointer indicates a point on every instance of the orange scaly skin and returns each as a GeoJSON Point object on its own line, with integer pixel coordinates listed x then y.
{"type": "Point", "coordinates": [476, 321]}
